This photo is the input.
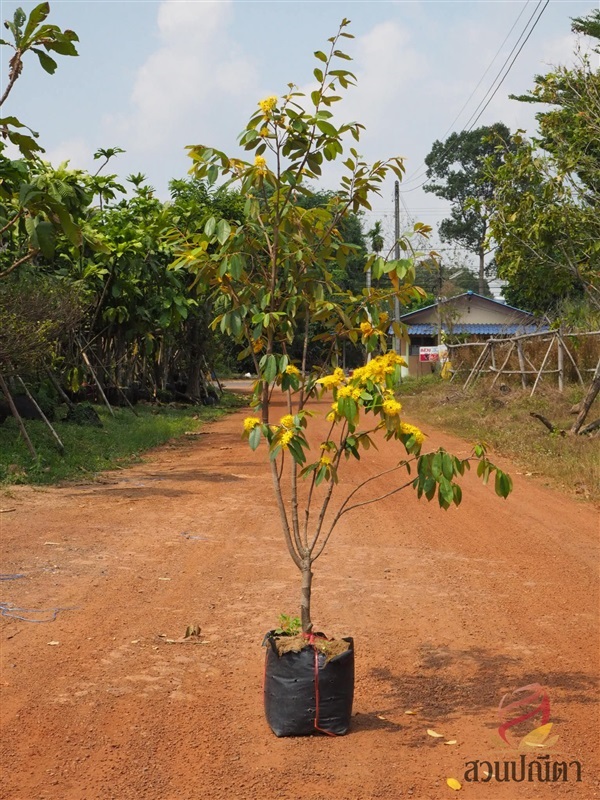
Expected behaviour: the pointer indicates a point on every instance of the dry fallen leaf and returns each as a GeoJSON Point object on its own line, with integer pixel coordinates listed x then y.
{"type": "Point", "coordinates": [539, 737]}
{"type": "Point", "coordinates": [434, 734]}
{"type": "Point", "coordinates": [380, 716]}
{"type": "Point", "coordinates": [451, 741]}
{"type": "Point", "coordinates": [54, 643]}
{"type": "Point", "coordinates": [454, 784]}
{"type": "Point", "coordinates": [410, 712]}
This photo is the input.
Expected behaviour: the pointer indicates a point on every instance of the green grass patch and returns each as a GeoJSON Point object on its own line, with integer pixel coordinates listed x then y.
{"type": "Point", "coordinates": [119, 442]}
{"type": "Point", "coordinates": [503, 420]}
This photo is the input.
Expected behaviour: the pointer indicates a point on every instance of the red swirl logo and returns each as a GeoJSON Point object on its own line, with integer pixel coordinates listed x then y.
{"type": "Point", "coordinates": [517, 711]}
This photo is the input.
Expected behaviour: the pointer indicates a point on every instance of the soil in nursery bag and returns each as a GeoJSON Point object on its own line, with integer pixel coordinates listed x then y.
{"type": "Point", "coordinates": [309, 685]}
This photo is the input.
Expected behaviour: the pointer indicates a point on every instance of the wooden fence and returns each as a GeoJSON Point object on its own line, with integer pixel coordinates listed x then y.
{"type": "Point", "coordinates": [516, 356]}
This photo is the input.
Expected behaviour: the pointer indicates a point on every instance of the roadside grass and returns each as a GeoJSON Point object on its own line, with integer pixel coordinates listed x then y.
{"type": "Point", "coordinates": [118, 443]}
{"type": "Point", "coordinates": [503, 420]}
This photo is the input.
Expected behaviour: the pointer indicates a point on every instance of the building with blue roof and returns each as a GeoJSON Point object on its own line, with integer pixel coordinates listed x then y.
{"type": "Point", "coordinates": [470, 316]}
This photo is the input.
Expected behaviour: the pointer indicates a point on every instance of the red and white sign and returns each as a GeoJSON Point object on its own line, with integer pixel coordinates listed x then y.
{"type": "Point", "coordinates": [428, 354]}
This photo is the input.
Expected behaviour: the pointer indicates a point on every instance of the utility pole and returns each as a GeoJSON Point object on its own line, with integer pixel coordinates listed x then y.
{"type": "Point", "coordinates": [396, 255]}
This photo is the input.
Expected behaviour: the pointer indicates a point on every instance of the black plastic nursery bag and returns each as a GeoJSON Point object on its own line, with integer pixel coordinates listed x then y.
{"type": "Point", "coordinates": [304, 694]}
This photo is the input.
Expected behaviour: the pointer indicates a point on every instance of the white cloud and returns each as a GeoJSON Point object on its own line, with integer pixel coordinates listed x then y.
{"type": "Point", "coordinates": [76, 151]}
{"type": "Point", "coordinates": [189, 84]}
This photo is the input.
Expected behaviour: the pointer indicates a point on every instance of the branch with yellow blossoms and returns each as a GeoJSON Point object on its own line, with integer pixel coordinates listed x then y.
{"type": "Point", "coordinates": [369, 390]}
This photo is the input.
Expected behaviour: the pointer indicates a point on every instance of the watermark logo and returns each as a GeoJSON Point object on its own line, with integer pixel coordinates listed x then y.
{"type": "Point", "coordinates": [524, 717]}
{"type": "Point", "coordinates": [525, 729]}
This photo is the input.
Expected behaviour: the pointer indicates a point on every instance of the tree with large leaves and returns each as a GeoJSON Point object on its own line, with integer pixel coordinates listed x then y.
{"type": "Point", "coordinates": [456, 172]}
{"type": "Point", "coordinates": [270, 274]}
{"type": "Point", "coordinates": [546, 205]}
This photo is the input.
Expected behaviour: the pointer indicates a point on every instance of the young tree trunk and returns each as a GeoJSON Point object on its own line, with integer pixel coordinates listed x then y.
{"type": "Point", "coordinates": [481, 272]}
{"type": "Point", "coordinates": [307, 577]}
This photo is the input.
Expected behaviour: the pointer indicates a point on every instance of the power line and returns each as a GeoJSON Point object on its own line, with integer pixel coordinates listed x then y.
{"type": "Point", "coordinates": [499, 75]}
{"type": "Point", "coordinates": [468, 100]}
{"type": "Point", "coordinates": [511, 63]}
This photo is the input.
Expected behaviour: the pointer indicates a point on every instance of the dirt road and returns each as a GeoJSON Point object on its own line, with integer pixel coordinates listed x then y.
{"type": "Point", "coordinates": [449, 611]}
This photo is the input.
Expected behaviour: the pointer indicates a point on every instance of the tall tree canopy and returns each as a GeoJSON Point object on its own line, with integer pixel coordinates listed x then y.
{"type": "Point", "coordinates": [546, 207]}
{"type": "Point", "coordinates": [456, 172]}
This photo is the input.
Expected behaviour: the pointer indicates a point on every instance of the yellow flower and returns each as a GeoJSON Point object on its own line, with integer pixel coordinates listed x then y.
{"type": "Point", "coordinates": [250, 423]}
{"type": "Point", "coordinates": [338, 373]}
{"type": "Point", "coordinates": [356, 392]}
{"type": "Point", "coordinates": [261, 165]}
{"type": "Point", "coordinates": [257, 346]}
{"type": "Point", "coordinates": [412, 430]}
{"type": "Point", "coordinates": [329, 381]}
{"type": "Point", "coordinates": [264, 132]}
{"type": "Point", "coordinates": [366, 328]}
{"type": "Point", "coordinates": [325, 460]}
{"type": "Point", "coordinates": [332, 416]}
{"type": "Point", "coordinates": [345, 391]}
{"type": "Point", "coordinates": [292, 370]}
{"type": "Point", "coordinates": [392, 408]}
{"type": "Point", "coordinates": [268, 104]}
{"type": "Point", "coordinates": [286, 438]}
{"type": "Point", "coordinates": [287, 421]}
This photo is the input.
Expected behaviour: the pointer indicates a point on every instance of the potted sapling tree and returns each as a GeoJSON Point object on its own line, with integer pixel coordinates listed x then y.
{"type": "Point", "coordinates": [271, 275]}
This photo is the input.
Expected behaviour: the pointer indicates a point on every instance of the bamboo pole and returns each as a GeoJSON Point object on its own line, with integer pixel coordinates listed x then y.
{"type": "Point", "coordinates": [17, 417]}
{"type": "Point", "coordinates": [560, 363]}
{"type": "Point", "coordinates": [568, 352]}
{"type": "Point", "coordinates": [537, 380]}
{"type": "Point", "coordinates": [95, 377]}
{"type": "Point", "coordinates": [477, 366]}
{"type": "Point", "coordinates": [522, 364]}
{"type": "Point", "coordinates": [501, 370]}
{"type": "Point", "coordinates": [61, 446]}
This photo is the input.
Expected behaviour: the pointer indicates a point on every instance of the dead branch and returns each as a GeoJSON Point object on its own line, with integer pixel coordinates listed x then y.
{"type": "Point", "coordinates": [552, 428]}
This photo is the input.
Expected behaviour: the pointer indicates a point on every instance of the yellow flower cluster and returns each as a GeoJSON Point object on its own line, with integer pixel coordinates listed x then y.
{"type": "Point", "coordinates": [324, 460]}
{"type": "Point", "coordinates": [268, 104]}
{"type": "Point", "coordinates": [392, 407]}
{"type": "Point", "coordinates": [287, 421]}
{"type": "Point", "coordinates": [292, 370]}
{"type": "Point", "coordinates": [264, 132]}
{"type": "Point", "coordinates": [350, 391]}
{"type": "Point", "coordinates": [377, 369]}
{"type": "Point", "coordinates": [250, 423]}
{"type": "Point", "coordinates": [329, 381]}
{"type": "Point", "coordinates": [261, 165]}
{"type": "Point", "coordinates": [366, 328]}
{"type": "Point", "coordinates": [412, 430]}
{"type": "Point", "coordinates": [286, 438]}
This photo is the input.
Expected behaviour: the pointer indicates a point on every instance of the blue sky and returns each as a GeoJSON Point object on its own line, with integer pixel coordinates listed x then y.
{"type": "Point", "coordinates": [153, 77]}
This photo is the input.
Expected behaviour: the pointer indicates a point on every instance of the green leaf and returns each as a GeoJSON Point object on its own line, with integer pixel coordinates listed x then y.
{"type": "Point", "coordinates": [48, 64]}
{"type": "Point", "coordinates": [210, 225]}
{"type": "Point", "coordinates": [270, 369]}
{"type": "Point", "coordinates": [447, 466]}
{"type": "Point", "coordinates": [46, 238]}
{"type": "Point", "coordinates": [446, 491]}
{"type": "Point", "coordinates": [37, 16]}
{"type": "Point", "coordinates": [254, 438]}
{"type": "Point", "coordinates": [436, 466]}
{"type": "Point", "coordinates": [223, 230]}
{"type": "Point", "coordinates": [321, 56]}
{"type": "Point", "coordinates": [326, 127]}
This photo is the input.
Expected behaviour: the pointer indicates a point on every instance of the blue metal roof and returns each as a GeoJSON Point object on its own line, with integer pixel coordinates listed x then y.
{"type": "Point", "coordinates": [429, 329]}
